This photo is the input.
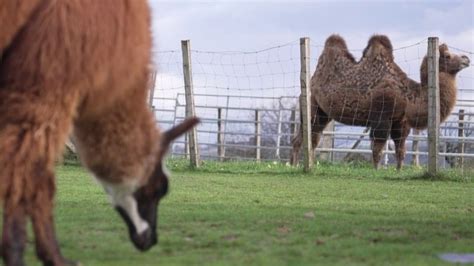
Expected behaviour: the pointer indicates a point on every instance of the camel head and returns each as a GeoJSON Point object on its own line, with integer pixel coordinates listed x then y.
{"type": "Point", "coordinates": [451, 63]}
{"type": "Point", "coordinates": [448, 63]}
{"type": "Point", "coordinates": [140, 209]}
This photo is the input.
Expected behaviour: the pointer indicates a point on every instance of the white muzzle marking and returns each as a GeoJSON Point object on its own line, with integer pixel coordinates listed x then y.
{"type": "Point", "coordinates": [129, 204]}
{"type": "Point", "coordinates": [122, 196]}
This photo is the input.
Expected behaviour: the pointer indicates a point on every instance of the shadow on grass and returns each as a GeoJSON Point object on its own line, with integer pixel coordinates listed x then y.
{"type": "Point", "coordinates": [445, 175]}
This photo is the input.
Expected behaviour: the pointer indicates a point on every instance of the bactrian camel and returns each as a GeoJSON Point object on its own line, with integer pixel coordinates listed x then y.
{"type": "Point", "coordinates": [374, 92]}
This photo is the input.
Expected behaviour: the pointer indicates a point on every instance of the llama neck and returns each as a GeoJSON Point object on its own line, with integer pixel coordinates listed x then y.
{"type": "Point", "coordinates": [448, 95]}
{"type": "Point", "coordinates": [417, 110]}
{"type": "Point", "coordinates": [120, 145]}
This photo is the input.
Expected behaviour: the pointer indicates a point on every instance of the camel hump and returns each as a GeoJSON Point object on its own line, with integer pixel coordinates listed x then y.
{"type": "Point", "coordinates": [378, 44]}
{"type": "Point", "coordinates": [382, 40]}
{"type": "Point", "coordinates": [336, 41]}
{"type": "Point", "coordinates": [336, 46]}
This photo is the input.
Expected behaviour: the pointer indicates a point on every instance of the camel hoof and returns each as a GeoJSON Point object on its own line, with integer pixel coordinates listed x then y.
{"type": "Point", "coordinates": [399, 167]}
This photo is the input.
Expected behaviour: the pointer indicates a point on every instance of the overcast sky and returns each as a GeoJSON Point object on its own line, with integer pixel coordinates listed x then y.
{"type": "Point", "coordinates": [252, 25]}
{"type": "Point", "coordinates": [240, 25]}
{"type": "Point", "coordinates": [255, 25]}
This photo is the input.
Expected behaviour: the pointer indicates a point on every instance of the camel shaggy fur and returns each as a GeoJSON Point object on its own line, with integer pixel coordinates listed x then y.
{"type": "Point", "coordinates": [374, 92]}
{"type": "Point", "coordinates": [77, 66]}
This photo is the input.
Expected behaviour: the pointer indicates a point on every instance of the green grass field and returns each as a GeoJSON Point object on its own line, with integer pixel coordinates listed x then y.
{"type": "Point", "coordinates": [267, 214]}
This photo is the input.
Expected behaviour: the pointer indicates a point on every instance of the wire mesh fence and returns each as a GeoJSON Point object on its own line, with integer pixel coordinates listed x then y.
{"type": "Point", "coordinates": [248, 103]}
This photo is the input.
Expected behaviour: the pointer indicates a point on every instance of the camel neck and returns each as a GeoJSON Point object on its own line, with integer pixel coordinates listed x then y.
{"type": "Point", "coordinates": [417, 110]}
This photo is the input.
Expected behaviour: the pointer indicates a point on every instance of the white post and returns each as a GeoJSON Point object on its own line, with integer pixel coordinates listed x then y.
{"type": "Point", "coordinates": [327, 142]}
{"type": "Point", "coordinates": [258, 136]}
{"type": "Point", "coordinates": [224, 136]}
{"type": "Point", "coordinates": [176, 103]}
{"type": "Point", "coordinates": [461, 135]}
{"type": "Point", "coordinates": [278, 139]}
{"type": "Point", "coordinates": [151, 87]}
{"type": "Point", "coordinates": [415, 148]}
{"type": "Point", "coordinates": [220, 138]}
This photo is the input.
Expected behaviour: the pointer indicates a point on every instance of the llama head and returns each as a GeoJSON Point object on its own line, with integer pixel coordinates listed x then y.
{"type": "Point", "coordinates": [451, 63]}
{"type": "Point", "coordinates": [139, 207]}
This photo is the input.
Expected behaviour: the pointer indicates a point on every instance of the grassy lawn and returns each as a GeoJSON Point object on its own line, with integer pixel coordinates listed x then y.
{"type": "Point", "coordinates": [249, 214]}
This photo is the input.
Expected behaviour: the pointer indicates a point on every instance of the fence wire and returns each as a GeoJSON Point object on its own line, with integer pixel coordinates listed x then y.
{"type": "Point", "coordinates": [248, 103]}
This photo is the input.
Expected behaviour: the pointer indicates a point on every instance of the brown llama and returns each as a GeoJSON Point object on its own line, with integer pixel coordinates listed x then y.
{"type": "Point", "coordinates": [77, 66]}
{"type": "Point", "coordinates": [376, 93]}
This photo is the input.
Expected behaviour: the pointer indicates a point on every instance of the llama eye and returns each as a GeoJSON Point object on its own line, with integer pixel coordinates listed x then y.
{"type": "Point", "coordinates": [447, 56]}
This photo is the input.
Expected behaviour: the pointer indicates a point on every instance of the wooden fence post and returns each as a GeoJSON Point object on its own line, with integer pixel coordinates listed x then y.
{"type": "Point", "coordinates": [305, 103]}
{"type": "Point", "coordinates": [461, 141]}
{"type": "Point", "coordinates": [415, 148]}
{"type": "Point", "coordinates": [433, 106]}
{"type": "Point", "coordinates": [258, 137]}
{"type": "Point", "coordinates": [190, 109]}
{"type": "Point", "coordinates": [220, 139]}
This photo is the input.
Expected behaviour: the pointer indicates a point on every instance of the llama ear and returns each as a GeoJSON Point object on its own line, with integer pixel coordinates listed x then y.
{"type": "Point", "coordinates": [176, 131]}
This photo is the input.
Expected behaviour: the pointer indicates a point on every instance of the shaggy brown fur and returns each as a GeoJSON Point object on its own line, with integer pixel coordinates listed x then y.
{"type": "Point", "coordinates": [375, 92]}
{"type": "Point", "coordinates": [82, 65]}
{"type": "Point", "coordinates": [13, 15]}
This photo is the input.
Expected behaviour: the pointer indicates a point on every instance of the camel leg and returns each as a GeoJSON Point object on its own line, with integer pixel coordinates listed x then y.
{"type": "Point", "coordinates": [14, 234]}
{"type": "Point", "coordinates": [319, 120]}
{"type": "Point", "coordinates": [379, 137]}
{"type": "Point", "coordinates": [296, 142]}
{"type": "Point", "coordinates": [399, 134]}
